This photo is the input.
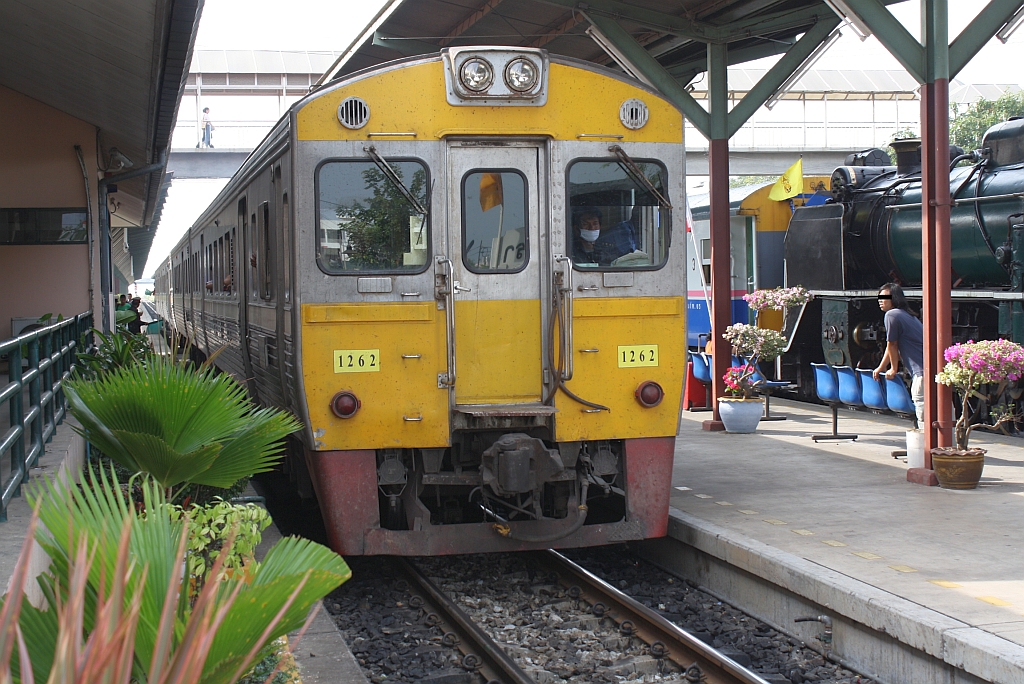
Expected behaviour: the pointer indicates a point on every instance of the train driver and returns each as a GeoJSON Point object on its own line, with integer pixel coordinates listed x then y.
{"type": "Point", "coordinates": [594, 246]}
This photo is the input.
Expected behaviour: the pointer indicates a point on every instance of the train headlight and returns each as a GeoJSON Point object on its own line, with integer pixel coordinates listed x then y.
{"type": "Point", "coordinates": [521, 75]}
{"type": "Point", "coordinates": [476, 74]}
{"type": "Point", "coordinates": [345, 404]}
{"type": "Point", "coordinates": [649, 394]}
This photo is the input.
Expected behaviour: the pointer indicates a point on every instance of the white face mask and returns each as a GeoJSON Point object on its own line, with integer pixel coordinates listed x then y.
{"type": "Point", "coordinates": [590, 235]}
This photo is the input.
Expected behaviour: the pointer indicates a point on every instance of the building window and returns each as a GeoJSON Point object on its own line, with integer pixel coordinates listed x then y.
{"type": "Point", "coordinates": [43, 226]}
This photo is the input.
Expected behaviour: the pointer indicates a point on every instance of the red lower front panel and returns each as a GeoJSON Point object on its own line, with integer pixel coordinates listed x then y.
{"type": "Point", "coordinates": [346, 486]}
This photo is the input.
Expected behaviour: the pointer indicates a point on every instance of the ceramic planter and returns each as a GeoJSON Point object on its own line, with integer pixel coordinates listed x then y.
{"type": "Point", "coordinates": [958, 468]}
{"type": "Point", "coordinates": [740, 415]}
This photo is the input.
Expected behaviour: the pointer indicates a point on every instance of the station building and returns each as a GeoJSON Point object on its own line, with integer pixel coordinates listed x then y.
{"type": "Point", "coordinates": [88, 99]}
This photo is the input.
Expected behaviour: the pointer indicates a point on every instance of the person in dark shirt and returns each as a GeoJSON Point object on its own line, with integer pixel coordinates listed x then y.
{"type": "Point", "coordinates": [904, 340]}
{"type": "Point", "coordinates": [594, 246]}
{"type": "Point", "coordinates": [135, 325]}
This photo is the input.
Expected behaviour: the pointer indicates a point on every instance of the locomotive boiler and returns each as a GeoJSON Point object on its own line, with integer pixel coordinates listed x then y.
{"type": "Point", "coordinates": [403, 264]}
{"type": "Point", "coordinates": [870, 234]}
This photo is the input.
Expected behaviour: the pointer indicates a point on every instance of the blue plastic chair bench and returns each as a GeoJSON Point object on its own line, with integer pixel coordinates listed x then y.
{"type": "Point", "coordinates": [765, 388]}
{"type": "Point", "coordinates": [702, 373]}
{"type": "Point", "coordinates": [826, 386]}
{"type": "Point", "coordinates": [897, 398]}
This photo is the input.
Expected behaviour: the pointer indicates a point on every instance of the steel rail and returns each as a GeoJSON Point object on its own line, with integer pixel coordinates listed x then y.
{"type": "Point", "coordinates": [480, 652]}
{"type": "Point", "coordinates": [698, 661]}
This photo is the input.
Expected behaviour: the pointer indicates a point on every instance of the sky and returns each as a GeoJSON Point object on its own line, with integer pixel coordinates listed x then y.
{"type": "Point", "coordinates": [331, 25]}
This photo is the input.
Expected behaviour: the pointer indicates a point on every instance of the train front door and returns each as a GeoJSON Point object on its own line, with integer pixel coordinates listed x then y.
{"type": "Point", "coordinates": [497, 248]}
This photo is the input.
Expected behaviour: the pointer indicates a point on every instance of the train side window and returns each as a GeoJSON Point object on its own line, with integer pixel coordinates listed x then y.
{"type": "Point", "coordinates": [495, 233]}
{"type": "Point", "coordinates": [264, 262]}
{"type": "Point", "coordinates": [254, 271]}
{"type": "Point", "coordinates": [614, 222]}
{"type": "Point", "coordinates": [286, 245]}
{"type": "Point", "coordinates": [365, 221]}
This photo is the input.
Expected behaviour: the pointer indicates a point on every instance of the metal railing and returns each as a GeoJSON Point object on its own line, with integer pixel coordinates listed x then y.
{"type": "Point", "coordinates": [50, 353]}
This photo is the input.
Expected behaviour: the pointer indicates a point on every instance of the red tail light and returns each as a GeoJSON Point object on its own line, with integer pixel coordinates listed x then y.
{"type": "Point", "coordinates": [345, 404]}
{"type": "Point", "coordinates": [649, 394]}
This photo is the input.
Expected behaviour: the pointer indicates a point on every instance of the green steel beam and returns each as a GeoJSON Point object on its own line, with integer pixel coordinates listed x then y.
{"type": "Point", "coordinates": [718, 91]}
{"type": "Point", "coordinates": [406, 46]}
{"type": "Point", "coordinates": [890, 33]}
{"type": "Point", "coordinates": [649, 67]}
{"type": "Point", "coordinates": [659, 21]}
{"type": "Point", "coordinates": [778, 21]}
{"type": "Point", "coordinates": [777, 75]}
{"type": "Point", "coordinates": [935, 40]}
{"type": "Point", "coordinates": [979, 32]}
{"type": "Point", "coordinates": [685, 71]}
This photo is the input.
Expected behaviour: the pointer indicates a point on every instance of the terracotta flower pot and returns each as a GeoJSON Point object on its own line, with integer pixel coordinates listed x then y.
{"type": "Point", "coordinates": [740, 415]}
{"type": "Point", "coordinates": [958, 468]}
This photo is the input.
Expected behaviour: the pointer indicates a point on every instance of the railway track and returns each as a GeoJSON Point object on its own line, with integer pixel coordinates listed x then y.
{"type": "Point", "coordinates": [679, 656]}
{"type": "Point", "coordinates": [696, 660]}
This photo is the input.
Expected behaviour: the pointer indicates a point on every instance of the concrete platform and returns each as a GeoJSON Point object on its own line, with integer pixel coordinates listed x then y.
{"type": "Point", "coordinates": [837, 524]}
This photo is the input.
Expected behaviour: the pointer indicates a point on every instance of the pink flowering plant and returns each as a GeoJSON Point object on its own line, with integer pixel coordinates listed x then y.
{"type": "Point", "coordinates": [751, 344]}
{"type": "Point", "coordinates": [973, 364]}
{"type": "Point", "coordinates": [780, 298]}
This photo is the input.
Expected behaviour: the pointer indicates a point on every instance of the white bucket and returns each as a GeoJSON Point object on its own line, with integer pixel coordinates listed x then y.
{"type": "Point", "coordinates": [915, 449]}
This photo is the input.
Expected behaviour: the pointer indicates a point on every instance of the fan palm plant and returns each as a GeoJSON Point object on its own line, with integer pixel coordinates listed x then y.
{"type": "Point", "coordinates": [118, 602]}
{"type": "Point", "coordinates": [179, 423]}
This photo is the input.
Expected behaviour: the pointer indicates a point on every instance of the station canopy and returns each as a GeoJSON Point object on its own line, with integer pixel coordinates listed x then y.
{"type": "Point", "coordinates": [674, 32]}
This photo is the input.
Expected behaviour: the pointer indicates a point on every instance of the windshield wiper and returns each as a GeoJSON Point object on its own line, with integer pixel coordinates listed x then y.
{"type": "Point", "coordinates": [634, 172]}
{"type": "Point", "coordinates": [396, 181]}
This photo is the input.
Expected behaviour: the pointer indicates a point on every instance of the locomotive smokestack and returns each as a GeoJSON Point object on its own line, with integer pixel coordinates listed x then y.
{"type": "Point", "coordinates": [908, 155]}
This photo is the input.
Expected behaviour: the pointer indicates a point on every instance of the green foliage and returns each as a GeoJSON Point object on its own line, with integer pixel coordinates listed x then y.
{"type": "Point", "coordinates": [178, 423]}
{"type": "Point", "coordinates": [119, 349]}
{"type": "Point", "coordinates": [212, 526]}
{"type": "Point", "coordinates": [968, 123]}
{"type": "Point", "coordinates": [90, 533]}
{"type": "Point", "coordinates": [378, 233]}
{"type": "Point", "coordinates": [283, 672]}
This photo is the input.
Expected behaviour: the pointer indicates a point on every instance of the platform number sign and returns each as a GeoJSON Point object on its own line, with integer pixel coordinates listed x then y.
{"type": "Point", "coordinates": [356, 360]}
{"type": "Point", "coordinates": [636, 355]}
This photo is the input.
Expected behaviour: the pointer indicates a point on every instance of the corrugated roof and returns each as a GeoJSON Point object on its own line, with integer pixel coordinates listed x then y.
{"type": "Point", "coordinates": [261, 62]}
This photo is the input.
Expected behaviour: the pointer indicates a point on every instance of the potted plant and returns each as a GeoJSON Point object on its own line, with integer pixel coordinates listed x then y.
{"type": "Point", "coordinates": [779, 298]}
{"type": "Point", "coordinates": [969, 366]}
{"type": "Point", "coordinates": [741, 410]}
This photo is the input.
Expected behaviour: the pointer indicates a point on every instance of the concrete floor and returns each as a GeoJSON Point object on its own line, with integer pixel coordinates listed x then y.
{"type": "Point", "coordinates": [847, 506]}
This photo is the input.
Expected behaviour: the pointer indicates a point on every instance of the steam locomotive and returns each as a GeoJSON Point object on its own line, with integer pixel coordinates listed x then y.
{"type": "Point", "coordinates": [869, 233]}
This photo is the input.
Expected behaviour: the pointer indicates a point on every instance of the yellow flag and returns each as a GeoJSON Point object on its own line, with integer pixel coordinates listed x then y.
{"type": "Point", "coordinates": [790, 184]}
{"type": "Point", "coordinates": [491, 194]}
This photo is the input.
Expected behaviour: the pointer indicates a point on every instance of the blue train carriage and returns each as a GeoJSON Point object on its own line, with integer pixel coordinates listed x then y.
{"type": "Point", "coordinates": [757, 235]}
{"type": "Point", "coordinates": [401, 264]}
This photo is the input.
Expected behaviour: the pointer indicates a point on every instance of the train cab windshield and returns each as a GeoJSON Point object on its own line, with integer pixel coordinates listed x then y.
{"type": "Point", "coordinates": [615, 222]}
{"type": "Point", "coordinates": [366, 222]}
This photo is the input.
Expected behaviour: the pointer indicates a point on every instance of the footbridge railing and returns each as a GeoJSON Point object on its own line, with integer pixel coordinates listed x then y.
{"type": "Point", "coordinates": [39, 361]}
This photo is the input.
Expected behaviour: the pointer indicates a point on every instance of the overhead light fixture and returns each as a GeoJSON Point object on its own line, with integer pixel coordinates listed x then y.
{"type": "Point", "coordinates": [804, 67]}
{"type": "Point", "coordinates": [1009, 27]}
{"type": "Point", "coordinates": [617, 56]}
{"type": "Point", "coordinates": [857, 25]}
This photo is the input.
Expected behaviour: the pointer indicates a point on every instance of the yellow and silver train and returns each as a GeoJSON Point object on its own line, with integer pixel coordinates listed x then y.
{"type": "Point", "coordinates": [464, 274]}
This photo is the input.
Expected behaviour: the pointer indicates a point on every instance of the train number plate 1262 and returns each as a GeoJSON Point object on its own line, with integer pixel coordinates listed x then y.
{"type": "Point", "coordinates": [356, 360]}
{"type": "Point", "coordinates": [634, 355]}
